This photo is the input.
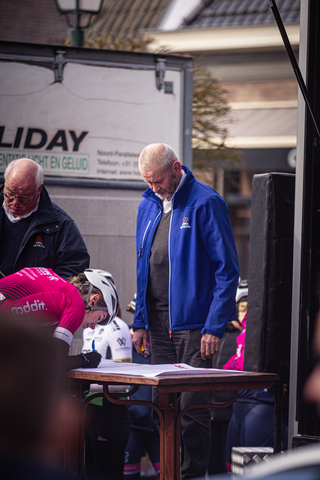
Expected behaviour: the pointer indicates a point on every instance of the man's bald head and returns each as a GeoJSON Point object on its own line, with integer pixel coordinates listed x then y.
{"type": "Point", "coordinates": [157, 156]}
{"type": "Point", "coordinates": [25, 168]}
{"type": "Point", "coordinates": [23, 183]}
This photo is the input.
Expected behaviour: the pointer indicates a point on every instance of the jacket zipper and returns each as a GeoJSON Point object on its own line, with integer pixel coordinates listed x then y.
{"type": "Point", "coordinates": [144, 235]}
{"type": "Point", "coordinates": [140, 251]}
{"type": "Point", "coordinates": [170, 332]}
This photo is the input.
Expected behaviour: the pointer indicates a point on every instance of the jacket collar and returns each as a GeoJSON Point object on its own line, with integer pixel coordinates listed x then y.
{"type": "Point", "coordinates": [45, 212]}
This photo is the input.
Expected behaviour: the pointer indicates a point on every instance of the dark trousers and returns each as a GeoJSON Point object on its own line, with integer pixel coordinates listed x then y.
{"type": "Point", "coordinates": [217, 459]}
{"type": "Point", "coordinates": [141, 440]}
{"type": "Point", "coordinates": [251, 425]}
{"type": "Point", "coordinates": [184, 347]}
{"type": "Point", "coordinates": [107, 430]}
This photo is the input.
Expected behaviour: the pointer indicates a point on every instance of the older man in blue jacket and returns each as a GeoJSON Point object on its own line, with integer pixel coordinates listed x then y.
{"type": "Point", "coordinates": [187, 277]}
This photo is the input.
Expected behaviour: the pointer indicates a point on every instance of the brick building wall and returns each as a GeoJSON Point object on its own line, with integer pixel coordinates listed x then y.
{"type": "Point", "coordinates": [32, 21]}
{"type": "Point", "coordinates": [280, 90]}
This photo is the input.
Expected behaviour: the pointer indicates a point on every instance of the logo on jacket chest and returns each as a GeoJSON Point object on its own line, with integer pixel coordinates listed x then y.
{"type": "Point", "coordinates": [38, 242]}
{"type": "Point", "coordinates": [185, 223]}
{"type": "Point", "coordinates": [121, 341]}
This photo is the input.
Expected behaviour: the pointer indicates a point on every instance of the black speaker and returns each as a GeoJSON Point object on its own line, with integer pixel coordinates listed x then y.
{"type": "Point", "coordinates": [268, 327]}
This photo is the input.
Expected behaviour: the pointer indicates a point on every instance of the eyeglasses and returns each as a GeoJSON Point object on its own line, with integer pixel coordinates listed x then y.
{"type": "Point", "coordinates": [21, 198]}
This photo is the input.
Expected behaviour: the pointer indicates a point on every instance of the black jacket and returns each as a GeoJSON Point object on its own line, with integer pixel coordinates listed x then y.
{"type": "Point", "coordinates": [52, 240]}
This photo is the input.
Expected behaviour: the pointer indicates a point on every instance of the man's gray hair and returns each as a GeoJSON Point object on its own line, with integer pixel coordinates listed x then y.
{"type": "Point", "coordinates": [156, 156]}
{"type": "Point", "coordinates": [39, 172]}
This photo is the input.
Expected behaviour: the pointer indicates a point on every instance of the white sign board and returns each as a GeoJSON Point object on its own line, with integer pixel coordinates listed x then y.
{"type": "Point", "coordinates": [93, 124]}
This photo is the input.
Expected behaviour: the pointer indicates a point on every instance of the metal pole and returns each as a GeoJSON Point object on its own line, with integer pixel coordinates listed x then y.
{"type": "Point", "coordinates": [294, 63]}
{"type": "Point", "coordinates": [297, 240]}
{"type": "Point", "coordinates": [77, 37]}
{"type": "Point", "coordinates": [77, 34]}
{"type": "Point", "coordinates": [277, 417]}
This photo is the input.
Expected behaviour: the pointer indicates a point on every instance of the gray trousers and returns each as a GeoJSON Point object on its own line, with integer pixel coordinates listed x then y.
{"type": "Point", "coordinates": [184, 347]}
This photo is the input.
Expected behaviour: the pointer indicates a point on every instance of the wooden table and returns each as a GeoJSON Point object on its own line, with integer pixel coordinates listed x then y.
{"type": "Point", "coordinates": [167, 385]}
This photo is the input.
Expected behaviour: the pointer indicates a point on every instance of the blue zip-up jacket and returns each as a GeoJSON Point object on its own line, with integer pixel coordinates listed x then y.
{"type": "Point", "coordinates": [203, 262]}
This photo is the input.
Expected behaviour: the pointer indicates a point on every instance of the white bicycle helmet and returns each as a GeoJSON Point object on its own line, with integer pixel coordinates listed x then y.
{"type": "Point", "coordinates": [131, 307]}
{"type": "Point", "coordinates": [242, 290]}
{"type": "Point", "coordinates": [104, 282]}
{"type": "Point", "coordinates": [104, 273]}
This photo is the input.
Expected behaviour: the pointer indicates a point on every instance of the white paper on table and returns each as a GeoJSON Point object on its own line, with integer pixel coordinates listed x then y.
{"type": "Point", "coordinates": [151, 371]}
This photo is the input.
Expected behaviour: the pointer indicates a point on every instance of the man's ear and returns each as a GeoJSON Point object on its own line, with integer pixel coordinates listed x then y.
{"type": "Point", "coordinates": [177, 168]}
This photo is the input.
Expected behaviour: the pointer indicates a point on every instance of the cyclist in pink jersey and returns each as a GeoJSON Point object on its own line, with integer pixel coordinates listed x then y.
{"type": "Point", "coordinates": [83, 301]}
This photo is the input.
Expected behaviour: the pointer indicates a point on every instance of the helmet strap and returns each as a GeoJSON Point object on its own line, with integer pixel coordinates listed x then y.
{"type": "Point", "coordinates": [88, 307]}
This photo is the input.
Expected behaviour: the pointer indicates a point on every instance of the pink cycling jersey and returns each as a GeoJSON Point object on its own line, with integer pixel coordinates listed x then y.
{"type": "Point", "coordinates": [40, 294]}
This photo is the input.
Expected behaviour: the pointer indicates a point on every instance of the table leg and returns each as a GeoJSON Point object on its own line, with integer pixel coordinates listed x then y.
{"type": "Point", "coordinates": [178, 425]}
{"type": "Point", "coordinates": [168, 454]}
{"type": "Point", "coordinates": [167, 416]}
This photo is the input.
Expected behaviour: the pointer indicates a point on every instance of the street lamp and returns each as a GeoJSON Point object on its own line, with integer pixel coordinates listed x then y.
{"type": "Point", "coordinates": [79, 8]}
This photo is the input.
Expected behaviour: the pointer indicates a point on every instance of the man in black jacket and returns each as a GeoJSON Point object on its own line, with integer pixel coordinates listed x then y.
{"type": "Point", "coordinates": [34, 232]}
